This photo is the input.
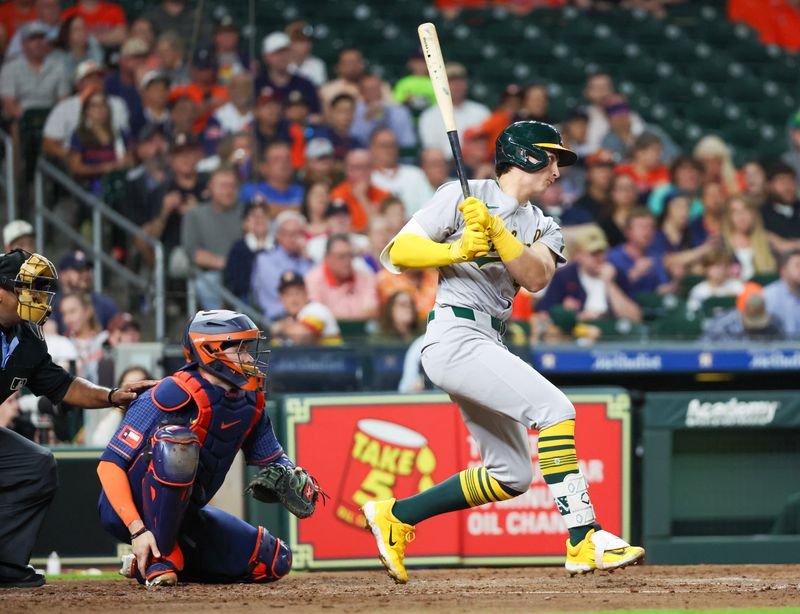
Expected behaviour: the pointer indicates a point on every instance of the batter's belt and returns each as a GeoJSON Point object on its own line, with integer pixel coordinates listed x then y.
{"type": "Point", "coordinates": [466, 313]}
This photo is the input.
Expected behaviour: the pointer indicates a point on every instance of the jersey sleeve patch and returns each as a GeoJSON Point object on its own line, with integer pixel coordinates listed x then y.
{"type": "Point", "coordinates": [168, 395]}
{"type": "Point", "coordinates": [130, 437]}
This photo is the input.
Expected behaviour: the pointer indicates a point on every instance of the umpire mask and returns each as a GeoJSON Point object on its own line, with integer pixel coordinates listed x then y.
{"type": "Point", "coordinates": [34, 284]}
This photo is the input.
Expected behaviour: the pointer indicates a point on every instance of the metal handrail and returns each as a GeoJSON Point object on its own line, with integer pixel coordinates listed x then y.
{"type": "Point", "coordinates": [100, 211]}
{"type": "Point", "coordinates": [7, 179]}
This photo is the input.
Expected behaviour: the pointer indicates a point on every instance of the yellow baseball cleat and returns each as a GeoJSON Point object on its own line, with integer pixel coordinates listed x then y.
{"type": "Point", "coordinates": [601, 550]}
{"type": "Point", "coordinates": [391, 535]}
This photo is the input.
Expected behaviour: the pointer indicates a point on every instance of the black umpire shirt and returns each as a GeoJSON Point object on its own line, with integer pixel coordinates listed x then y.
{"type": "Point", "coordinates": [27, 364]}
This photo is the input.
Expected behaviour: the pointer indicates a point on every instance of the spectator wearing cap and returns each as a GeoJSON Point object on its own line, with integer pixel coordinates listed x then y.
{"type": "Point", "coordinates": [270, 125]}
{"type": "Point", "coordinates": [338, 222]}
{"type": "Point", "coordinates": [234, 116]}
{"type": "Point", "coordinates": [595, 203]}
{"type": "Point", "coordinates": [638, 259]}
{"type": "Point", "coordinates": [435, 166]}
{"type": "Point", "coordinates": [96, 149]}
{"type": "Point", "coordinates": [373, 113]}
{"type": "Point", "coordinates": [278, 187]}
{"type": "Point", "coordinates": [154, 89]}
{"type": "Point", "coordinates": [287, 254]}
{"type": "Point", "coordinates": [73, 44]}
{"type": "Point", "coordinates": [623, 134]}
{"type": "Point", "coordinates": [47, 12]}
{"type": "Point", "coordinates": [76, 276]}
{"type": "Point", "coordinates": [503, 115]}
{"type": "Point", "coordinates": [209, 231]}
{"type": "Point", "coordinates": [781, 212]}
{"type": "Point", "coordinates": [123, 328]}
{"type": "Point", "coordinates": [176, 17]}
{"type": "Point", "coordinates": [63, 120]}
{"type": "Point", "coordinates": [349, 292]}
{"type": "Point", "coordinates": [18, 235]}
{"type": "Point", "coordinates": [357, 190]}
{"type": "Point", "coordinates": [203, 88]}
{"type": "Point", "coordinates": [276, 74]}
{"type": "Point", "coordinates": [320, 165]}
{"type": "Point", "coordinates": [124, 82]}
{"type": "Point", "coordinates": [783, 296]}
{"type": "Point", "coordinates": [750, 321]}
{"type": "Point", "coordinates": [590, 286]}
{"type": "Point", "coordinates": [645, 167]}
{"type": "Point", "coordinates": [242, 255]}
{"type": "Point", "coordinates": [301, 60]}
{"type": "Point", "coordinates": [304, 322]}
{"type": "Point", "coordinates": [298, 113]}
{"type": "Point", "coordinates": [685, 175]}
{"type": "Point", "coordinates": [34, 80]}
{"type": "Point", "coordinates": [231, 59]}
{"type": "Point", "coordinates": [182, 191]}
{"type": "Point", "coordinates": [415, 90]}
{"type": "Point", "coordinates": [105, 20]}
{"type": "Point", "coordinates": [405, 181]}
{"type": "Point", "coordinates": [468, 113]}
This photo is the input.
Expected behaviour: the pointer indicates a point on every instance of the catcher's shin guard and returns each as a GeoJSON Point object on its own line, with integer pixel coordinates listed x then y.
{"type": "Point", "coordinates": [271, 559]}
{"type": "Point", "coordinates": [166, 488]}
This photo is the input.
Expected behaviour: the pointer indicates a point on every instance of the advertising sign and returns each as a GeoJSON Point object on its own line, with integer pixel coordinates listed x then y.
{"type": "Point", "coordinates": [364, 447]}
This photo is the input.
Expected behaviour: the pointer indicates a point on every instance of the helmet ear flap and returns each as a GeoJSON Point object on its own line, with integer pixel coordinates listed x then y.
{"type": "Point", "coordinates": [540, 155]}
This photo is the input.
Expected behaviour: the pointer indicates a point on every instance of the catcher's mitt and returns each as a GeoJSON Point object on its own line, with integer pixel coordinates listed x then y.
{"type": "Point", "coordinates": [294, 487]}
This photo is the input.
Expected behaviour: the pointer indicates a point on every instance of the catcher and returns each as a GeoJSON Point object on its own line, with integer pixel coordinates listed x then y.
{"type": "Point", "coordinates": [172, 451]}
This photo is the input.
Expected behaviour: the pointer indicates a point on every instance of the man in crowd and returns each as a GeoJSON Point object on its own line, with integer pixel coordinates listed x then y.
{"type": "Point", "coordinates": [434, 164]}
{"type": "Point", "coordinates": [286, 255]}
{"type": "Point", "coordinates": [278, 187]}
{"type": "Point", "coordinates": [276, 74]}
{"type": "Point", "coordinates": [233, 116]}
{"type": "Point", "coordinates": [405, 181]}
{"type": "Point", "coordinates": [373, 113]}
{"type": "Point", "coordinates": [255, 239]}
{"type": "Point", "coordinates": [593, 204]}
{"type": "Point", "coordinates": [305, 322]}
{"type": "Point", "coordinates": [76, 275]}
{"type": "Point", "coordinates": [302, 62]}
{"type": "Point", "coordinates": [783, 296]}
{"type": "Point", "coordinates": [339, 120]}
{"type": "Point", "coordinates": [154, 88]}
{"type": "Point", "coordinates": [782, 210]}
{"type": "Point", "coordinates": [320, 165]}
{"type": "Point", "coordinates": [18, 235]}
{"type": "Point", "coordinates": [350, 293]}
{"type": "Point", "coordinates": [749, 321]}
{"type": "Point", "coordinates": [636, 259]}
{"type": "Point", "coordinates": [209, 231]}
{"type": "Point", "coordinates": [338, 221]}
{"type": "Point", "coordinates": [123, 82]}
{"type": "Point", "coordinates": [357, 190]}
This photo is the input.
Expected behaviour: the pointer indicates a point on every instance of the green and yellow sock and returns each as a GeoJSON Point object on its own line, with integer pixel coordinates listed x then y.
{"type": "Point", "coordinates": [557, 460]}
{"type": "Point", "coordinates": [468, 488]}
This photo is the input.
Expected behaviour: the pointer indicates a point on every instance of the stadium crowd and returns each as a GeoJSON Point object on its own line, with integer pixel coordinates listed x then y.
{"type": "Point", "coordinates": [282, 178]}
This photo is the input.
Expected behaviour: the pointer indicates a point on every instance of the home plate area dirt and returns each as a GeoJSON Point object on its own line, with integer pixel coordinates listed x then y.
{"type": "Point", "coordinates": [542, 589]}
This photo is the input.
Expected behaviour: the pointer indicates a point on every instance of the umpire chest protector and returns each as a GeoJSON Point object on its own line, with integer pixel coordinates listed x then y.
{"type": "Point", "coordinates": [222, 422]}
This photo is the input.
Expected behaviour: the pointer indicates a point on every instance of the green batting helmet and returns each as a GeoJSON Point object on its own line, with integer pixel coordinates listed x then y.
{"type": "Point", "coordinates": [521, 141]}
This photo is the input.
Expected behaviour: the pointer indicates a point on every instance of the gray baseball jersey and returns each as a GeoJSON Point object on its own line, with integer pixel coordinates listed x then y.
{"type": "Point", "coordinates": [485, 283]}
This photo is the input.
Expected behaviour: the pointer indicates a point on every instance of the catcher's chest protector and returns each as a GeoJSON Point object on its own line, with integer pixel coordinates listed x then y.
{"type": "Point", "coordinates": [222, 423]}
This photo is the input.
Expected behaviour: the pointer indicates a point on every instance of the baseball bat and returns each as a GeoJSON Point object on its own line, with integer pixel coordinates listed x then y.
{"type": "Point", "coordinates": [441, 87]}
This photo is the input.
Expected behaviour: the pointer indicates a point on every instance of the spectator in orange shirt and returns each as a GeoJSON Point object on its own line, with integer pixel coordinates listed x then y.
{"type": "Point", "coordinates": [645, 167]}
{"type": "Point", "coordinates": [508, 106]}
{"type": "Point", "coordinates": [13, 15]}
{"type": "Point", "coordinates": [203, 89]}
{"type": "Point", "coordinates": [421, 283]}
{"type": "Point", "coordinates": [357, 190]}
{"type": "Point", "coordinates": [105, 20]}
{"type": "Point", "coordinates": [350, 293]}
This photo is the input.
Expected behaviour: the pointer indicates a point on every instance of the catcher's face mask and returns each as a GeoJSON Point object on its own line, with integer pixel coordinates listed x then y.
{"type": "Point", "coordinates": [239, 358]}
{"type": "Point", "coordinates": [35, 285]}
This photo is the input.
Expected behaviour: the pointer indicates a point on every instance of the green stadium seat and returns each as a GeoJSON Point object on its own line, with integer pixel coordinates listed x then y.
{"type": "Point", "coordinates": [354, 329]}
{"type": "Point", "coordinates": [688, 282]}
{"type": "Point", "coordinates": [717, 305]}
{"type": "Point", "coordinates": [677, 326]}
{"type": "Point", "coordinates": [764, 279]}
{"type": "Point", "coordinates": [563, 318]}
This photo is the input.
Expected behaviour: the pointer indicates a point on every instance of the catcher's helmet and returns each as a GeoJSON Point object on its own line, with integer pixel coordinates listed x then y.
{"type": "Point", "coordinates": [521, 141]}
{"type": "Point", "coordinates": [210, 333]}
{"type": "Point", "coordinates": [33, 278]}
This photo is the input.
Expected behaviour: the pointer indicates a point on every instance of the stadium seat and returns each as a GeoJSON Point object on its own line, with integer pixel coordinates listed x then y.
{"type": "Point", "coordinates": [717, 305]}
{"type": "Point", "coordinates": [677, 326]}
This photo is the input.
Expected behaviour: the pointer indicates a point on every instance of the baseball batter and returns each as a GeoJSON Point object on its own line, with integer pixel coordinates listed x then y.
{"type": "Point", "coordinates": [485, 248]}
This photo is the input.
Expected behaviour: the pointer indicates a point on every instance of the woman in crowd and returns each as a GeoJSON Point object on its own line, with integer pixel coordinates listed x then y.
{"type": "Point", "coordinates": [743, 233]}
{"type": "Point", "coordinates": [315, 203]}
{"type": "Point", "coordinates": [74, 44]}
{"type": "Point", "coordinates": [674, 237]}
{"type": "Point", "coordinates": [717, 160]}
{"type": "Point", "coordinates": [82, 328]}
{"type": "Point", "coordinates": [96, 148]}
{"type": "Point", "coordinates": [685, 175]}
{"type": "Point", "coordinates": [397, 320]}
{"type": "Point", "coordinates": [100, 425]}
{"type": "Point", "coordinates": [624, 197]}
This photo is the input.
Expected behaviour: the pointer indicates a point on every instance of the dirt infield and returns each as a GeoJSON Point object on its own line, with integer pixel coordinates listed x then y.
{"type": "Point", "coordinates": [457, 590]}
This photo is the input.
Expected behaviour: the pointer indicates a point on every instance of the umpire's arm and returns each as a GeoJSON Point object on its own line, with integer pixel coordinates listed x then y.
{"type": "Point", "coordinates": [83, 393]}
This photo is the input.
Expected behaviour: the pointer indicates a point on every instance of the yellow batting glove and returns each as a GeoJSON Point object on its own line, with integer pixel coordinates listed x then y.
{"type": "Point", "coordinates": [475, 212]}
{"type": "Point", "coordinates": [472, 244]}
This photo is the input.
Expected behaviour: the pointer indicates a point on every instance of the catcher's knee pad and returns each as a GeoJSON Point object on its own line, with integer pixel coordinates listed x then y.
{"type": "Point", "coordinates": [168, 482]}
{"type": "Point", "coordinates": [176, 454]}
{"type": "Point", "coordinates": [271, 559]}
